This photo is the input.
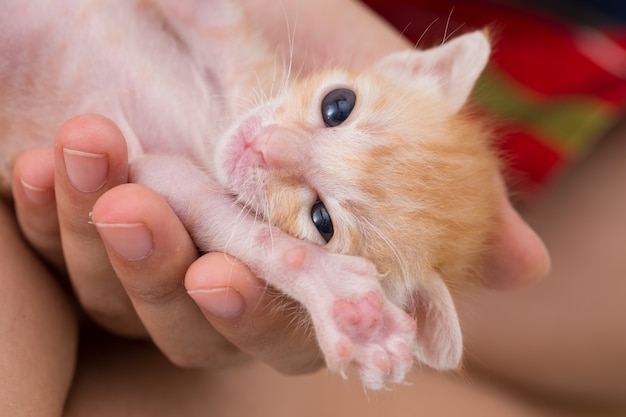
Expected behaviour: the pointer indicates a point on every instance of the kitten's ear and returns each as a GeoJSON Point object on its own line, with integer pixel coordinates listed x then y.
{"type": "Point", "coordinates": [439, 339]}
{"type": "Point", "coordinates": [455, 65]}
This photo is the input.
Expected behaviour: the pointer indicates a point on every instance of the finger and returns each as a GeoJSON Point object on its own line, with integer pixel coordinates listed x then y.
{"type": "Point", "coordinates": [90, 158]}
{"type": "Point", "coordinates": [150, 251]}
{"type": "Point", "coordinates": [266, 325]}
{"type": "Point", "coordinates": [519, 257]}
{"type": "Point", "coordinates": [35, 204]}
{"type": "Point", "coordinates": [38, 329]}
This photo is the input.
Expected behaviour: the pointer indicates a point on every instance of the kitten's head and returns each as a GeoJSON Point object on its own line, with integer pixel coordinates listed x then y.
{"type": "Point", "coordinates": [381, 164]}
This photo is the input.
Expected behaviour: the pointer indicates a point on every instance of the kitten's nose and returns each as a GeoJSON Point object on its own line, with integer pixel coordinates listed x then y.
{"type": "Point", "coordinates": [281, 147]}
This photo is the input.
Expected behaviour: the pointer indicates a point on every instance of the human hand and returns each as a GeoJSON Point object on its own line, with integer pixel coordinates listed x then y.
{"type": "Point", "coordinates": [134, 284]}
{"type": "Point", "coordinates": [140, 280]}
{"type": "Point", "coordinates": [38, 329]}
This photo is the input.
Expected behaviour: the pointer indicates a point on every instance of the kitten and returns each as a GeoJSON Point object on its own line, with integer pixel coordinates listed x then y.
{"type": "Point", "coordinates": [360, 195]}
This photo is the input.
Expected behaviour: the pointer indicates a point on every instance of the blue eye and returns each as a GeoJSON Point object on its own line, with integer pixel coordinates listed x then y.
{"type": "Point", "coordinates": [337, 106]}
{"type": "Point", "coordinates": [322, 221]}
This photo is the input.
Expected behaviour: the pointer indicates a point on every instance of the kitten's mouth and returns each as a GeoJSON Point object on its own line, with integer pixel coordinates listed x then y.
{"type": "Point", "coordinates": [241, 155]}
{"type": "Point", "coordinates": [243, 164]}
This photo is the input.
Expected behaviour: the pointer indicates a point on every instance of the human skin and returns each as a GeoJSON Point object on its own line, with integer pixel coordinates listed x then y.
{"type": "Point", "coordinates": [565, 337]}
{"type": "Point", "coordinates": [150, 296]}
{"type": "Point", "coordinates": [38, 328]}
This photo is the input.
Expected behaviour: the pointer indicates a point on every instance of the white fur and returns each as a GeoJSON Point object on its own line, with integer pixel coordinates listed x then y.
{"type": "Point", "coordinates": [452, 68]}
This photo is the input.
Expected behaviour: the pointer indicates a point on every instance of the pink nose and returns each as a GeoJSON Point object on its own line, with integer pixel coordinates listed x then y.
{"type": "Point", "coordinates": [280, 147]}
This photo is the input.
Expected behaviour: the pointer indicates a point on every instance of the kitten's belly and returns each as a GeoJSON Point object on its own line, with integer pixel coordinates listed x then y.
{"type": "Point", "coordinates": [119, 59]}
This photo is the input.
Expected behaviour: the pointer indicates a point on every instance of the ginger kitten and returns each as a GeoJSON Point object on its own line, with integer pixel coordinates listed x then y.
{"type": "Point", "coordinates": [361, 195]}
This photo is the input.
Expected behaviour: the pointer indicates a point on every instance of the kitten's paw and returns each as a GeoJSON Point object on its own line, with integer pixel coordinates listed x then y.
{"type": "Point", "coordinates": [372, 337]}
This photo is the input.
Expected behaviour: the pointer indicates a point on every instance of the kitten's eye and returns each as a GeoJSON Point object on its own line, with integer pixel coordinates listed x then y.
{"type": "Point", "coordinates": [337, 106]}
{"type": "Point", "coordinates": [321, 220]}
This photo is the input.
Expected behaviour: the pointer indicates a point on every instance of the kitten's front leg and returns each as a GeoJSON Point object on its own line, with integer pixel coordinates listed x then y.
{"type": "Point", "coordinates": [357, 327]}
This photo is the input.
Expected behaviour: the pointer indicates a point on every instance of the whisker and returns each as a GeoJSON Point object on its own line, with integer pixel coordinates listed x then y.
{"type": "Point", "coordinates": [425, 32]}
{"type": "Point", "coordinates": [451, 35]}
{"type": "Point", "coordinates": [258, 92]}
{"type": "Point", "coordinates": [268, 218]}
{"type": "Point", "coordinates": [406, 28]}
{"type": "Point", "coordinates": [405, 276]}
{"type": "Point", "coordinates": [291, 35]}
{"type": "Point", "coordinates": [445, 32]}
{"type": "Point", "coordinates": [447, 35]}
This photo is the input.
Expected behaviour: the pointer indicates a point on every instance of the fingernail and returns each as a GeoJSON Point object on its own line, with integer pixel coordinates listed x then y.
{"type": "Point", "coordinates": [223, 302]}
{"type": "Point", "coordinates": [87, 171]}
{"type": "Point", "coordinates": [37, 195]}
{"type": "Point", "coordinates": [131, 241]}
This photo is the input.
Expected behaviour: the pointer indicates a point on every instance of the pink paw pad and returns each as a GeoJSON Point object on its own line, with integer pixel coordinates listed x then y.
{"type": "Point", "coordinates": [375, 339]}
{"type": "Point", "coordinates": [382, 363]}
{"type": "Point", "coordinates": [359, 316]}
